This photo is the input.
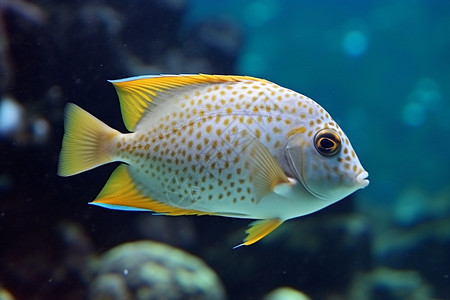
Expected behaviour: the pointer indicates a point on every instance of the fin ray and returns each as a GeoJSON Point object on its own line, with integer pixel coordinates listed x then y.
{"type": "Point", "coordinates": [137, 93]}
{"type": "Point", "coordinates": [258, 230]}
{"type": "Point", "coordinates": [121, 193]}
{"type": "Point", "coordinates": [85, 142]}
{"type": "Point", "coordinates": [265, 171]}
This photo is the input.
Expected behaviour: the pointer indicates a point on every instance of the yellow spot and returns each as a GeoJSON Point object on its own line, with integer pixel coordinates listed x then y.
{"type": "Point", "coordinates": [229, 110]}
{"type": "Point", "coordinates": [257, 133]}
{"type": "Point", "coordinates": [208, 128]}
{"type": "Point", "coordinates": [276, 129]}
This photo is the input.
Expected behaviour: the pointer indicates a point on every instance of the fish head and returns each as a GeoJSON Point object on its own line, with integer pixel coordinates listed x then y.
{"type": "Point", "coordinates": [322, 159]}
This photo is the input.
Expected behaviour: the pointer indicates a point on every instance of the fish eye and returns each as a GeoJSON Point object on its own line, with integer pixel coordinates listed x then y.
{"type": "Point", "coordinates": [327, 142]}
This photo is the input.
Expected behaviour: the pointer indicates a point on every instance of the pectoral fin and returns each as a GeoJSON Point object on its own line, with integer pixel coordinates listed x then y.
{"type": "Point", "coordinates": [258, 230]}
{"type": "Point", "coordinates": [265, 171]}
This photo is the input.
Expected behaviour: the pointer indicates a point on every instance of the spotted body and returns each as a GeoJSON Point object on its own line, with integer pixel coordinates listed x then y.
{"type": "Point", "coordinates": [231, 146]}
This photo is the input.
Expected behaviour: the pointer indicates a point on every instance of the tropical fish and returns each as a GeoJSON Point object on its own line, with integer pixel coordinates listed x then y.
{"type": "Point", "coordinates": [232, 146]}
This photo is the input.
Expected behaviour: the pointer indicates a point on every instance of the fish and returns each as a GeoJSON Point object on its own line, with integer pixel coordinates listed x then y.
{"type": "Point", "coordinates": [219, 145]}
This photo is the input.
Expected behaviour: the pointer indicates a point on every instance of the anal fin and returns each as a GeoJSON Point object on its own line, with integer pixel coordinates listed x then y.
{"type": "Point", "coordinates": [120, 192]}
{"type": "Point", "coordinates": [258, 230]}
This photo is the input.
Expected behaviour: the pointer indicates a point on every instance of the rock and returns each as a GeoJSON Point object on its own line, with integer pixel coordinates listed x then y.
{"type": "Point", "coordinates": [286, 293]}
{"type": "Point", "coordinates": [150, 270]}
{"type": "Point", "coordinates": [385, 283]}
{"type": "Point", "coordinates": [5, 294]}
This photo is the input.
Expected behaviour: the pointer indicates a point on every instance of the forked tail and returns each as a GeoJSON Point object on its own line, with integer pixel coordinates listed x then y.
{"type": "Point", "coordinates": [86, 143]}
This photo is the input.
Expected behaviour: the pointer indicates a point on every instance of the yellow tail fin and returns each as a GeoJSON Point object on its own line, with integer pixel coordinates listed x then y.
{"type": "Point", "coordinates": [86, 142]}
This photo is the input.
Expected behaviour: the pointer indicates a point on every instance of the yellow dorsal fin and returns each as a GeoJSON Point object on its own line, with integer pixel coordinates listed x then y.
{"type": "Point", "coordinates": [136, 94]}
{"type": "Point", "coordinates": [258, 230]}
{"type": "Point", "coordinates": [121, 193]}
{"type": "Point", "coordinates": [265, 171]}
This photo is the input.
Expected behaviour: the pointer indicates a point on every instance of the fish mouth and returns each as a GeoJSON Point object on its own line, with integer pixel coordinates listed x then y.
{"type": "Point", "coordinates": [362, 180]}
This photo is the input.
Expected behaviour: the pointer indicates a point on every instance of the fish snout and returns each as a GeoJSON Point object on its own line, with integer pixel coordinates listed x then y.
{"type": "Point", "coordinates": [362, 180]}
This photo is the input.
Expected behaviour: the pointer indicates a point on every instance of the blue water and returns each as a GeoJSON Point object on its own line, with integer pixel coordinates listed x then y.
{"type": "Point", "coordinates": [381, 68]}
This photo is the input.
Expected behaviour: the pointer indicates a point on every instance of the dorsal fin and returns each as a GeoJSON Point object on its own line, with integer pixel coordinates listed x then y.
{"type": "Point", "coordinates": [136, 94]}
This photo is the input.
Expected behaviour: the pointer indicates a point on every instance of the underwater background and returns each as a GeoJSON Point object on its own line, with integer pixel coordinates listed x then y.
{"type": "Point", "coordinates": [382, 70]}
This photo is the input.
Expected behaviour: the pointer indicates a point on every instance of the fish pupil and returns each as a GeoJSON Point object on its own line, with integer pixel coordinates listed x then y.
{"type": "Point", "coordinates": [327, 143]}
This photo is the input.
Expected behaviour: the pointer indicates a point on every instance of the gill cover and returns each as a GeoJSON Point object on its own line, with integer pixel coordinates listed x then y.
{"type": "Point", "coordinates": [294, 156]}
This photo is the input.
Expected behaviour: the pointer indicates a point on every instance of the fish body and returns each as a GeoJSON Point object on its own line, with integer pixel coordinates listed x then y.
{"type": "Point", "coordinates": [231, 146]}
